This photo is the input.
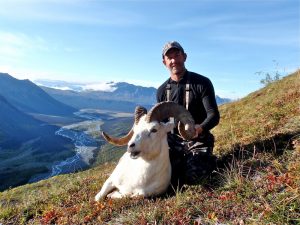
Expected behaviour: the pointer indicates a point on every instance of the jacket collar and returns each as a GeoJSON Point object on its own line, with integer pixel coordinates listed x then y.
{"type": "Point", "coordinates": [181, 81]}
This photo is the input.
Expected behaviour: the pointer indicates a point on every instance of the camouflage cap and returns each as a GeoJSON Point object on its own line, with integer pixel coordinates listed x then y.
{"type": "Point", "coordinates": [169, 45]}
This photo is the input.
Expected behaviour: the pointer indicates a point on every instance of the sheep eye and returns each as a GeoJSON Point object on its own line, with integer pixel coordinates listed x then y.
{"type": "Point", "coordinates": [153, 130]}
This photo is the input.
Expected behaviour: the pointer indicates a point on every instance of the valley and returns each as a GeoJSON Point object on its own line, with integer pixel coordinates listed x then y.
{"type": "Point", "coordinates": [73, 146]}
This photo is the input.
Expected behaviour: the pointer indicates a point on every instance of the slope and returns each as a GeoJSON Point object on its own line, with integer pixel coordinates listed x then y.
{"type": "Point", "coordinates": [15, 125]}
{"type": "Point", "coordinates": [29, 98]}
{"type": "Point", "coordinates": [262, 115]}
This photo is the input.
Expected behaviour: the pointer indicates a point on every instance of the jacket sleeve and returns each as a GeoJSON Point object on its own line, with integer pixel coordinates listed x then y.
{"type": "Point", "coordinates": [211, 108]}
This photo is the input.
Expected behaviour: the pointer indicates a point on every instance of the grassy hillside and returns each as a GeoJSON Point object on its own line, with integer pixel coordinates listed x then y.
{"type": "Point", "coordinates": [270, 113]}
{"type": "Point", "coordinates": [257, 180]}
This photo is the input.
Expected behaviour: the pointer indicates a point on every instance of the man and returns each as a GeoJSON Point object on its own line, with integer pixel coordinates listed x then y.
{"type": "Point", "coordinates": [190, 160]}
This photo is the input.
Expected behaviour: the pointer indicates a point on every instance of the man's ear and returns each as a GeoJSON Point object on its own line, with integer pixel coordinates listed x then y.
{"type": "Point", "coordinates": [185, 56]}
{"type": "Point", "coordinates": [164, 61]}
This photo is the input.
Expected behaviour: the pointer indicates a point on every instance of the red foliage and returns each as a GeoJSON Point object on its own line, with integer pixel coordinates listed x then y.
{"type": "Point", "coordinates": [226, 196]}
{"type": "Point", "coordinates": [180, 217]}
{"type": "Point", "coordinates": [278, 181]}
{"type": "Point", "coordinates": [50, 217]}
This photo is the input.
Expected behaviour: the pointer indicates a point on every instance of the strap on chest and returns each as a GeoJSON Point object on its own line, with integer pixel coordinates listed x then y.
{"type": "Point", "coordinates": [168, 88]}
{"type": "Point", "coordinates": [168, 92]}
{"type": "Point", "coordinates": [186, 97]}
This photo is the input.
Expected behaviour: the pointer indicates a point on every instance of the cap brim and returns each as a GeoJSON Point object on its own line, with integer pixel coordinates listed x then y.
{"type": "Point", "coordinates": [165, 52]}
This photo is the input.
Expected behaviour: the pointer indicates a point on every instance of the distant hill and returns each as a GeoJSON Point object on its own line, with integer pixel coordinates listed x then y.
{"type": "Point", "coordinates": [28, 97]}
{"type": "Point", "coordinates": [120, 96]}
{"type": "Point", "coordinates": [90, 99]}
{"type": "Point", "coordinates": [221, 101]}
{"type": "Point", "coordinates": [16, 126]}
{"type": "Point", "coordinates": [138, 94]}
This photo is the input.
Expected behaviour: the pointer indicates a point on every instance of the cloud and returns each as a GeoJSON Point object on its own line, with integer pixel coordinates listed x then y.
{"type": "Point", "coordinates": [18, 44]}
{"type": "Point", "coordinates": [12, 45]}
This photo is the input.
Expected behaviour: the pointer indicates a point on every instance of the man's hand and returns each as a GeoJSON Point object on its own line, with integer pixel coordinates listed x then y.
{"type": "Point", "coordinates": [198, 129]}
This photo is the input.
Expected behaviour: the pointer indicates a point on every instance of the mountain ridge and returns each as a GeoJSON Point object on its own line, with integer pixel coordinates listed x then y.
{"type": "Point", "coordinates": [29, 98]}
{"type": "Point", "coordinates": [16, 125]}
{"type": "Point", "coordinates": [112, 96]}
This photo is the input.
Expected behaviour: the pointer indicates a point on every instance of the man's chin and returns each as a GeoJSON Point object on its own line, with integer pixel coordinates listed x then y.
{"type": "Point", "coordinates": [178, 72]}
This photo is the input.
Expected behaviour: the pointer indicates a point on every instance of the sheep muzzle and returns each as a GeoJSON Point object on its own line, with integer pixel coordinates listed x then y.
{"type": "Point", "coordinates": [134, 154]}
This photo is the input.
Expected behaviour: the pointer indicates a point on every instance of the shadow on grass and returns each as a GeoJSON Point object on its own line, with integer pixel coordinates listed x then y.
{"type": "Point", "coordinates": [243, 154]}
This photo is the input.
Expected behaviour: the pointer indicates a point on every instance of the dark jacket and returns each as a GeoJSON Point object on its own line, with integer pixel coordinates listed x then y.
{"type": "Point", "coordinates": [202, 101]}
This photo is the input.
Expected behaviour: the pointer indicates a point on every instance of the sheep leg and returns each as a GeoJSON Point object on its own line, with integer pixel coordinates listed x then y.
{"type": "Point", "coordinates": [107, 188]}
{"type": "Point", "coordinates": [115, 194]}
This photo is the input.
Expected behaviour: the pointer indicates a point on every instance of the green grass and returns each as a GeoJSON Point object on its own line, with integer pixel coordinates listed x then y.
{"type": "Point", "coordinates": [262, 115]}
{"type": "Point", "coordinates": [257, 180]}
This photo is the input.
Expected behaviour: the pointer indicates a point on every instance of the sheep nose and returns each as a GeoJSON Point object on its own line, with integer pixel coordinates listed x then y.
{"type": "Point", "coordinates": [132, 145]}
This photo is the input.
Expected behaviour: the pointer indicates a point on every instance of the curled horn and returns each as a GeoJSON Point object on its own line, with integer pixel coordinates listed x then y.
{"type": "Point", "coordinates": [164, 110]}
{"type": "Point", "coordinates": [139, 112]}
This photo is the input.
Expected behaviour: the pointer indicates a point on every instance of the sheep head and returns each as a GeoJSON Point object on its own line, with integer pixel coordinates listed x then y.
{"type": "Point", "coordinates": [148, 138]}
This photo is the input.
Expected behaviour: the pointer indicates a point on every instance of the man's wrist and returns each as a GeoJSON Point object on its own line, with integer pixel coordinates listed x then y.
{"type": "Point", "coordinates": [198, 129]}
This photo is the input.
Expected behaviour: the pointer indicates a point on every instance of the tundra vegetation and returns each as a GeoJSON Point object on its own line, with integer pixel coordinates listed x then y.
{"type": "Point", "coordinates": [257, 180]}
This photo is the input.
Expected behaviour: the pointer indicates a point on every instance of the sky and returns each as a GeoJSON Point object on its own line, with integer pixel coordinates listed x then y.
{"type": "Point", "coordinates": [96, 41]}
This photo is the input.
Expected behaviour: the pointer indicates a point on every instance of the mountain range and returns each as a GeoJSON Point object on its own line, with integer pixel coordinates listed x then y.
{"type": "Point", "coordinates": [29, 98]}
{"type": "Point", "coordinates": [120, 96]}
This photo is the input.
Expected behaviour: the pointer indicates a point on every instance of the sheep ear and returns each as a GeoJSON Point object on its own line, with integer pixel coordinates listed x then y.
{"type": "Point", "coordinates": [168, 126]}
{"type": "Point", "coordinates": [139, 112]}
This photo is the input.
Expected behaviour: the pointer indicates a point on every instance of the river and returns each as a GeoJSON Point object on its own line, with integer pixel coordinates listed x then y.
{"type": "Point", "coordinates": [84, 143]}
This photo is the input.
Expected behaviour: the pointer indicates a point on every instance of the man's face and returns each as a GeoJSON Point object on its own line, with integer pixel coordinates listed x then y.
{"type": "Point", "coordinates": [174, 60]}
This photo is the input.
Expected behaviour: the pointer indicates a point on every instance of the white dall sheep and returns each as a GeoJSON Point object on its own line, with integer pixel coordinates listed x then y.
{"type": "Point", "coordinates": [145, 169]}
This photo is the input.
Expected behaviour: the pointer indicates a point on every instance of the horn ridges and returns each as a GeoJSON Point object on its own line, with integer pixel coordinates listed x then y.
{"type": "Point", "coordinates": [164, 110]}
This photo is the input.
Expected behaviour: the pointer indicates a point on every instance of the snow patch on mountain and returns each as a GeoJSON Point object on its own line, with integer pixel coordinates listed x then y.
{"type": "Point", "coordinates": [79, 87]}
{"type": "Point", "coordinates": [108, 87]}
